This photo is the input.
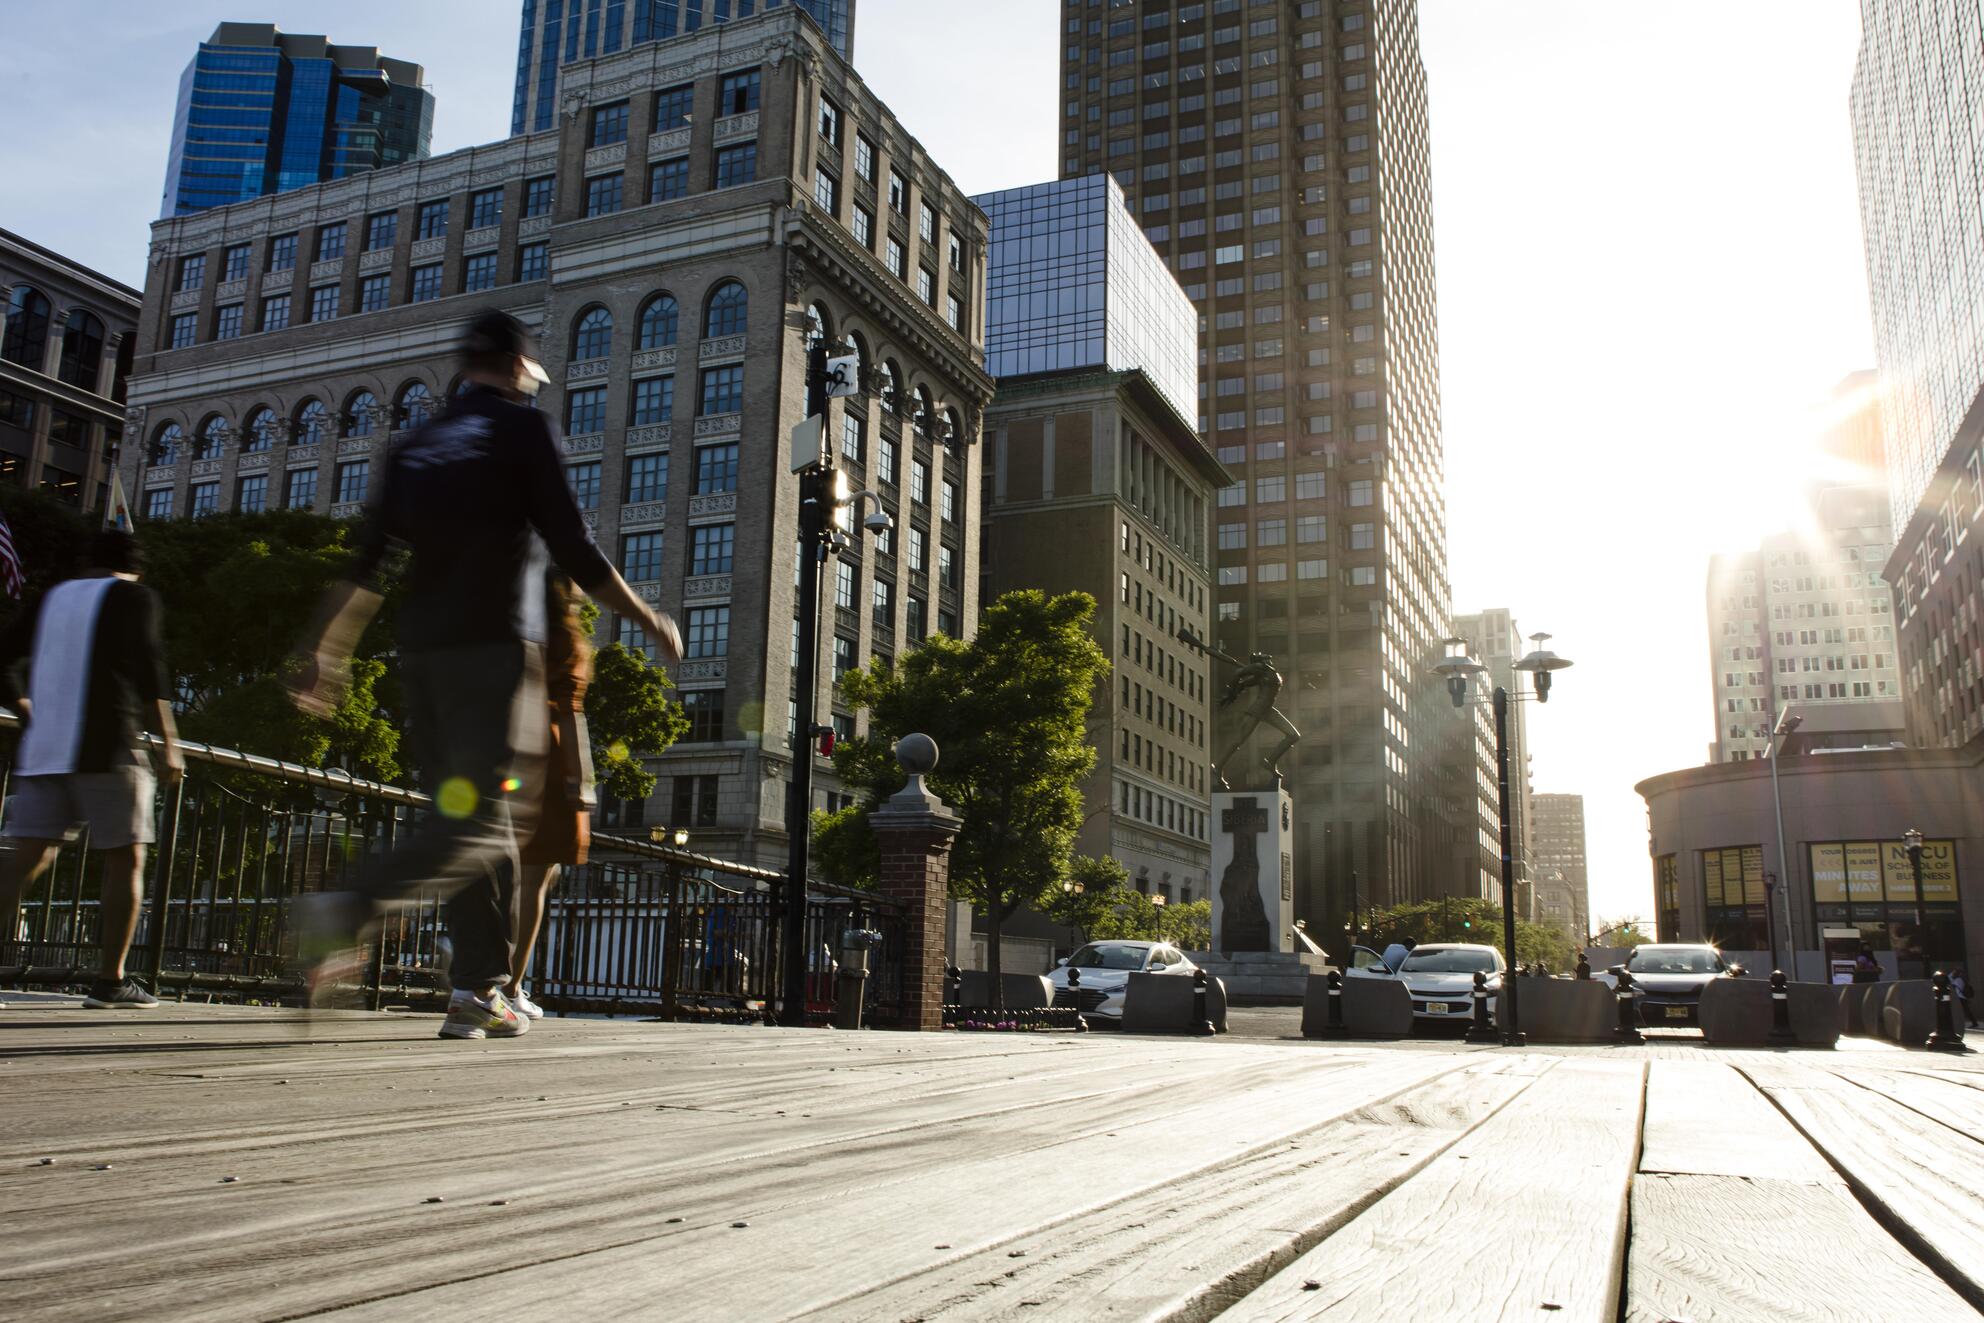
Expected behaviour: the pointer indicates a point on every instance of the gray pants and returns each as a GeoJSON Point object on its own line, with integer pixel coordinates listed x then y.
{"type": "Point", "coordinates": [475, 716]}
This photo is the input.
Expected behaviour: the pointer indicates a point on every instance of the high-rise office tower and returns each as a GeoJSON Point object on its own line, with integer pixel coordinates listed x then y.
{"type": "Point", "coordinates": [1563, 884]}
{"type": "Point", "coordinates": [1497, 643]}
{"type": "Point", "coordinates": [557, 32]}
{"type": "Point", "coordinates": [1277, 156]}
{"type": "Point", "coordinates": [262, 111]}
{"type": "Point", "coordinates": [1921, 170]}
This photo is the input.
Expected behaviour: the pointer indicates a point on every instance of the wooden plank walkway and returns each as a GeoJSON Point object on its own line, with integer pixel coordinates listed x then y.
{"type": "Point", "coordinates": [221, 1163]}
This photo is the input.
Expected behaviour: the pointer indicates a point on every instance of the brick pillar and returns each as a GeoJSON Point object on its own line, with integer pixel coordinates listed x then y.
{"type": "Point", "coordinates": [914, 830]}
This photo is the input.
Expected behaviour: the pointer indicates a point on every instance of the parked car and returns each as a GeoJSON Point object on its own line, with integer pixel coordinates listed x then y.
{"type": "Point", "coordinates": [1105, 972]}
{"type": "Point", "coordinates": [1668, 979]}
{"type": "Point", "coordinates": [1438, 976]}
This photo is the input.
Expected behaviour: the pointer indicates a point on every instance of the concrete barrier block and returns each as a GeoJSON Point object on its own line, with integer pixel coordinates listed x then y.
{"type": "Point", "coordinates": [1376, 1007]}
{"type": "Point", "coordinates": [1556, 1010]}
{"type": "Point", "coordinates": [1908, 1010]}
{"type": "Point", "coordinates": [1738, 1010]}
{"type": "Point", "coordinates": [1872, 998]}
{"type": "Point", "coordinates": [1816, 1017]}
{"type": "Point", "coordinates": [1850, 996]}
{"type": "Point", "coordinates": [1024, 992]}
{"type": "Point", "coordinates": [1316, 1006]}
{"type": "Point", "coordinates": [1163, 1004]}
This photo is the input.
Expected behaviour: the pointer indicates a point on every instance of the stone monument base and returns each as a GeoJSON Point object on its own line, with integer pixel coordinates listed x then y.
{"type": "Point", "coordinates": [1262, 978]}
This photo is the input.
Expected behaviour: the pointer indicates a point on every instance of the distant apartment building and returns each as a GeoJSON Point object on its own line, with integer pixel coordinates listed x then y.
{"type": "Point", "coordinates": [556, 33]}
{"type": "Point", "coordinates": [1099, 482]}
{"type": "Point", "coordinates": [676, 241]}
{"type": "Point", "coordinates": [66, 343]}
{"type": "Point", "coordinates": [262, 111]}
{"type": "Point", "coordinates": [1497, 643]}
{"type": "Point", "coordinates": [1806, 623]}
{"type": "Point", "coordinates": [1563, 881]}
{"type": "Point", "coordinates": [1920, 174]}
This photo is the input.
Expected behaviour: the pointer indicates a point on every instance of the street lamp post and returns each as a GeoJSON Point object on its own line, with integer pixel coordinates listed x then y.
{"type": "Point", "coordinates": [1913, 839]}
{"type": "Point", "coordinates": [1459, 668]}
{"type": "Point", "coordinates": [672, 932]}
{"type": "Point", "coordinates": [1157, 904]}
{"type": "Point", "coordinates": [1786, 724]}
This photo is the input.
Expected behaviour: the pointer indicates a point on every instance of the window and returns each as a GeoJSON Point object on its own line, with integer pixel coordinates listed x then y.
{"type": "Point", "coordinates": [353, 476]}
{"type": "Point", "coordinates": [704, 708]}
{"type": "Point", "coordinates": [584, 482]}
{"type": "Point", "coordinates": [953, 312]}
{"type": "Point", "coordinates": [414, 406]}
{"type": "Point", "coordinates": [946, 566]}
{"type": "Point", "coordinates": [672, 107]}
{"type": "Point", "coordinates": [324, 303]}
{"type": "Point", "coordinates": [203, 498]}
{"type": "Point", "coordinates": [708, 634]}
{"type": "Point", "coordinates": [592, 337]}
{"type": "Point", "coordinates": [540, 195]}
{"type": "Point", "coordinates": [330, 241]}
{"type": "Point", "coordinates": [886, 466]}
{"type": "Point", "coordinates": [251, 493]}
{"type": "Point", "coordinates": [431, 222]}
{"type": "Point", "coordinates": [609, 125]}
{"type": "Point", "coordinates": [830, 121]}
{"type": "Point", "coordinates": [1363, 576]}
{"type": "Point", "coordinates": [1362, 492]}
{"type": "Point", "coordinates": [926, 285]}
{"type": "Point", "coordinates": [892, 257]}
{"type": "Point", "coordinates": [313, 423]}
{"type": "Point", "coordinates": [728, 312]}
{"type": "Point", "coordinates": [375, 292]}
{"type": "Point", "coordinates": [919, 482]}
{"type": "Point", "coordinates": [359, 413]}
{"type": "Point", "coordinates": [853, 432]}
{"type": "Point", "coordinates": [235, 262]}
{"type": "Point", "coordinates": [862, 224]}
{"type": "Point", "coordinates": [585, 411]}
{"type": "Point", "coordinates": [640, 556]}
{"type": "Point", "coordinates": [227, 322]}
{"type": "Point", "coordinates": [898, 194]}
{"type": "Point", "coordinates": [381, 230]}
{"type": "Point", "coordinates": [185, 330]}
{"type": "Point", "coordinates": [260, 432]}
{"type": "Point", "coordinates": [845, 575]}
{"type": "Point", "coordinates": [603, 194]}
{"type": "Point", "coordinates": [716, 469]}
{"type": "Point", "coordinates": [1311, 528]}
{"type": "Point", "coordinates": [826, 192]}
{"type": "Point", "coordinates": [736, 165]}
{"type": "Point", "coordinates": [882, 603]}
{"type": "Point", "coordinates": [710, 548]}
{"type": "Point", "coordinates": [722, 391]}
{"type": "Point", "coordinates": [647, 479]}
{"type": "Point", "coordinates": [949, 506]}
{"type": "Point", "coordinates": [916, 617]}
{"type": "Point", "coordinates": [158, 503]}
{"type": "Point", "coordinates": [654, 401]}
{"type": "Point", "coordinates": [275, 312]}
{"type": "Point", "coordinates": [192, 272]}
{"type": "Point", "coordinates": [668, 180]}
{"type": "Point", "coordinates": [919, 549]}
{"type": "Point", "coordinates": [844, 652]}
{"type": "Point", "coordinates": [478, 272]}
{"type": "Point", "coordinates": [282, 253]}
{"type": "Point", "coordinates": [1363, 537]}
{"type": "Point", "coordinates": [738, 93]}
{"type": "Point", "coordinates": [485, 208]}
{"type": "Point", "coordinates": [425, 283]}
{"type": "Point", "coordinates": [533, 261]}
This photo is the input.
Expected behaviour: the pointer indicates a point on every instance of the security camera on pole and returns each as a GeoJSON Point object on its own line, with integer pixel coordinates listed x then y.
{"type": "Point", "coordinates": [832, 372]}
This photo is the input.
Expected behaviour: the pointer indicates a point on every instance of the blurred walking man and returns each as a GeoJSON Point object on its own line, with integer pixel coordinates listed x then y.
{"type": "Point", "coordinates": [96, 676]}
{"type": "Point", "coordinates": [469, 494]}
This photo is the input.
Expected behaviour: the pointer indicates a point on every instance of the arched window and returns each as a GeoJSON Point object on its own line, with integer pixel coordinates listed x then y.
{"type": "Point", "coordinates": [165, 444]}
{"type": "Point", "coordinates": [313, 423]}
{"type": "Point", "coordinates": [82, 349]}
{"type": "Point", "coordinates": [661, 317]}
{"type": "Point", "coordinates": [819, 325]}
{"type": "Point", "coordinates": [460, 387]}
{"type": "Point", "coordinates": [212, 443]}
{"type": "Point", "coordinates": [891, 381]}
{"type": "Point", "coordinates": [923, 411]}
{"type": "Point", "coordinates": [728, 312]}
{"type": "Point", "coordinates": [360, 414]}
{"type": "Point", "coordinates": [859, 345]}
{"type": "Point", "coordinates": [953, 430]}
{"type": "Point", "coordinates": [259, 432]}
{"type": "Point", "coordinates": [593, 336]}
{"type": "Point", "coordinates": [414, 405]}
{"type": "Point", "coordinates": [26, 342]}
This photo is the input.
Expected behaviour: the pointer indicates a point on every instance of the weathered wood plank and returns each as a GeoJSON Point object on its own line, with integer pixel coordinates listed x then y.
{"type": "Point", "coordinates": [1713, 1249]}
{"type": "Point", "coordinates": [1707, 1119]}
{"type": "Point", "coordinates": [1525, 1219]}
{"type": "Point", "coordinates": [1937, 1097]}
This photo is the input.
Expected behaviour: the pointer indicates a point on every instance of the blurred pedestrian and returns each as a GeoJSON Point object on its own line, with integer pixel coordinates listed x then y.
{"type": "Point", "coordinates": [95, 678]}
{"type": "Point", "coordinates": [469, 494]}
{"type": "Point", "coordinates": [1960, 988]}
{"type": "Point", "coordinates": [1866, 969]}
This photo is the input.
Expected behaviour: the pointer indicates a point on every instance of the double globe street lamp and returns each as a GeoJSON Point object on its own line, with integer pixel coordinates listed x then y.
{"type": "Point", "coordinates": [1458, 668]}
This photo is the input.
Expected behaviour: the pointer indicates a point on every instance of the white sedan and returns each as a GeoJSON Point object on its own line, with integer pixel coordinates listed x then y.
{"type": "Point", "coordinates": [1105, 969]}
{"type": "Point", "coordinates": [1440, 978]}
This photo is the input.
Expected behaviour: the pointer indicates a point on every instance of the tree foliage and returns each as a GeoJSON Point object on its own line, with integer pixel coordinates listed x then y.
{"type": "Point", "coordinates": [1465, 919]}
{"type": "Point", "coordinates": [1007, 711]}
{"type": "Point", "coordinates": [629, 717]}
{"type": "Point", "coordinates": [1626, 933]}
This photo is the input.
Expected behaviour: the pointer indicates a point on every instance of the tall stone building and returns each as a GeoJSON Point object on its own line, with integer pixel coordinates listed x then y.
{"type": "Point", "coordinates": [66, 342]}
{"type": "Point", "coordinates": [1277, 156]}
{"type": "Point", "coordinates": [1563, 881]}
{"type": "Point", "coordinates": [1100, 483]}
{"type": "Point", "coordinates": [1921, 169]}
{"type": "Point", "coordinates": [1498, 644]}
{"type": "Point", "coordinates": [262, 111]}
{"type": "Point", "coordinates": [702, 208]}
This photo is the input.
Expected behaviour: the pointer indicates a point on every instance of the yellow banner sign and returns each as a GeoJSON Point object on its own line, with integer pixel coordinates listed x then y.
{"type": "Point", "coordinates": [1864, 871]}
{"type": "Point", "coordinates": [1938, 872]}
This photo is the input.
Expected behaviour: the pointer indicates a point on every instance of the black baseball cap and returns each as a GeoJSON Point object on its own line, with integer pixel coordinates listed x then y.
{"type": "Point", "coordinates": [499, 335]}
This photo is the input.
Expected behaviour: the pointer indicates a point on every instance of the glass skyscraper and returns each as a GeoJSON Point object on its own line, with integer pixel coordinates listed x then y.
{"type": "Point", "coordinates": [556, 32]}
{"type": "Point", "coordinates": [261, 111]}
{"type": "Point", "coordinates": [1073, 283]}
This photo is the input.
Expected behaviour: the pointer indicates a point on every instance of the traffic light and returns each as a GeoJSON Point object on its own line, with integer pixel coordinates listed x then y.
{"type": "Point", "coordinates": [826, 734]}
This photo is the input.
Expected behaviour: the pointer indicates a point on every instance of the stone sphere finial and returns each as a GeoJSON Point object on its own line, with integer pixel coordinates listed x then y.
{"type": "Point", "coordinates": [917, 754]}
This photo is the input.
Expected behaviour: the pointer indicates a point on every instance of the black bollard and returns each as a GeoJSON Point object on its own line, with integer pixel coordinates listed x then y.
{"type": "Point", "coordinates": [1780, 1010]}
{"type": "Point", "coordinates": [1584, 968]}
{"type": "Point", "coordinates": [1481, 1031]}
{"type": "Point", "coordinates": [1074, 987]}
{"type": "Point", "coordinates": [1946, 1038]}
{"type": "Point", "coordinates": [1336, 1029]}
{"type": "Point", "coordinates": [1201, 1020]}
{"type": "Point", "coordinates": [954, 984]}
{"type": "Point", "coordinates": [1629, 1015]}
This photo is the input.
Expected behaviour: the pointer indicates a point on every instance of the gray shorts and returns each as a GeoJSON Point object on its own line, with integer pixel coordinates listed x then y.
{"type": "Point", "coordinates": [116, 806]}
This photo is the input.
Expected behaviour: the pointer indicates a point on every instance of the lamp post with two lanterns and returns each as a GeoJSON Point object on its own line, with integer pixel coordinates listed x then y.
{"type": "Point", "coordinates": [1458, 668]}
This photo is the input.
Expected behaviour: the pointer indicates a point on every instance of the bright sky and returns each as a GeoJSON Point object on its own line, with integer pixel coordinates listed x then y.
{"type": "Point", "coordinates": [1649, 267]}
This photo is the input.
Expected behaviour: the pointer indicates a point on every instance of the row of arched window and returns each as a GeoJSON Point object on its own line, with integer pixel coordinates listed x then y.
{"type": "Point", "coordinates": [915, 404]}
{"type": "Point", "coordinates": [30, 318]}
{"type": "Point", "coordinates": [725, 312]}
{"type": "Point", "coordinates": [311, 422]}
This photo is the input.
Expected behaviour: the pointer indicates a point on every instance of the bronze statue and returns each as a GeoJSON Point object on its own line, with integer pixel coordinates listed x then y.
{"type": "Point", "coordinates": [1257, 674]}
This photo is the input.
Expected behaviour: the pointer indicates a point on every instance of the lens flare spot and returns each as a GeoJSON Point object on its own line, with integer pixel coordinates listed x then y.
{"type": "Point", "coordinates": [616, 752]}
{"type": "Point", "coordinates": [456, 797]}
{"type": "Point", "coordinates": [512, 784]}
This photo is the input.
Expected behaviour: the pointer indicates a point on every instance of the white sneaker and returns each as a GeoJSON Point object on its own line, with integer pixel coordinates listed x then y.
{"type": "Point", "coordinates": [522, 1004]}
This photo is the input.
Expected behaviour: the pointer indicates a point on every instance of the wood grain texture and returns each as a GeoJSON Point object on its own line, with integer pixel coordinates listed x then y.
{"type": "Point", "coordinates": [1705, 1118]}
{"type": "Point", "coordinates": [1525, 1219]}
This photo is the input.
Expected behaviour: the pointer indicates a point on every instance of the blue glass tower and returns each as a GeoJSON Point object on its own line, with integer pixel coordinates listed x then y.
{"type": "Point", "coordinates": [261, 111]}
{"type": "Point", "coordinates": [556, 32]}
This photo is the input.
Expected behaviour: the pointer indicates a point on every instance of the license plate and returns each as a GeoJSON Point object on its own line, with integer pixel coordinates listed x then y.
{"type": "Point", "coordinates": [1677, 1012]}
{"type": "Point", "coordinates": [1451, 1006]}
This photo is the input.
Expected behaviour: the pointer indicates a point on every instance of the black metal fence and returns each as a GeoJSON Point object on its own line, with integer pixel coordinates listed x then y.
{"type": "Point", "coordinates": [648, 930]}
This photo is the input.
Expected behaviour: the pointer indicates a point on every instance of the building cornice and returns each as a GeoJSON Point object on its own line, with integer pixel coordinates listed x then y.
{"type": "Point", "coordinates": [30, 253]}
{"type": "Point", "coordinates": [1969, 757]}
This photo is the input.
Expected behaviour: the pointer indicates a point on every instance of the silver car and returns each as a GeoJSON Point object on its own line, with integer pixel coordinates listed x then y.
{"type": "Point", "coordinates": [1105, 969]}
{"type": "Point", "coordinates": [1668, 978]}
{"type": "Point", "coordinates": [1439, 977]}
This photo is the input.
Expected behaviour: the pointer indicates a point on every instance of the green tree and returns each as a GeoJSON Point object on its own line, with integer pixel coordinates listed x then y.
{"type": "Point", "coordinates": [50, 540]}
{"type": "Point", "coordinates": [1007, 712]}
{"type": "Point", "coordinates": [629, 717]}
{"type": "Point", "coordinates": [1627, 933]}
{"type": "Point", "coordinates": [1468, 919]}
{"type": "Point", "coordinates": [1086, 898]}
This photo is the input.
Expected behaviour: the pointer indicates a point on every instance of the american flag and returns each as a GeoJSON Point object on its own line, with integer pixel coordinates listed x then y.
{"type": "Point", "coordinates": [10, 562]}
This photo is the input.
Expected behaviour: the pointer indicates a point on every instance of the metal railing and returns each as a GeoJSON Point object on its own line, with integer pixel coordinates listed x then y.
{"type": "Point", "coordinates": [241, 835]}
